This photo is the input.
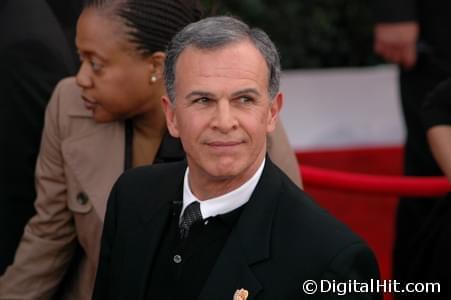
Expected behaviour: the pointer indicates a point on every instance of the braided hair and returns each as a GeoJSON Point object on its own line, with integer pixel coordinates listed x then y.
{"type": "Point", "coordinates": [150, 24]}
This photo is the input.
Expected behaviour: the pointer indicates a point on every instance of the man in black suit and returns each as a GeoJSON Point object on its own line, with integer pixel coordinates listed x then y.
{"type": "Point", "coordinates": [228, 218]}
{"type": "Point", "coordinates": [34, 57]}
{"type": "Point", "coordinates": [415, 35]}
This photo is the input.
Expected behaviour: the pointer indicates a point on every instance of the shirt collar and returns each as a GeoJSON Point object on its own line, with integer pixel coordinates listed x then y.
{"type": "Point", "coordinates": [224, 203]}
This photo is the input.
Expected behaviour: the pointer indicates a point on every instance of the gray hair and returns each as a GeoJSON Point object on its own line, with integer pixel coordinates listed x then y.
{"type": "Point", "coordinates": [218, 32]}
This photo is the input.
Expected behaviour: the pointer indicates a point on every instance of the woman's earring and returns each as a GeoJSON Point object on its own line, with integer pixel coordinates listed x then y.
{"type": "Point", "coordinates": [153, 78]}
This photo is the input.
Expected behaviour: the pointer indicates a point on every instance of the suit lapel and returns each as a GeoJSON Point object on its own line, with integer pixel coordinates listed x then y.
{"type": "Point", "coordinates": [249, 242]}
{"type": "Point", "coordinates": [231, 272]}
{"type": "Point", "coordinates": [143, 244]}
{"type": "Point", "coordinates": [140, 253]}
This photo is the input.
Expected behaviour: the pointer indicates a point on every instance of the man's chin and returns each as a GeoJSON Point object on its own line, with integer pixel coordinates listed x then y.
{"type": "Point", "coordinates": [220, 168]}
{"type": "Point", "coordinates": [221, 171]}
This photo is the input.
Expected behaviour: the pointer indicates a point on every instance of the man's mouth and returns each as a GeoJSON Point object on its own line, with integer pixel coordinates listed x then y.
{"type": "Point", "coordinates": [224, 143]}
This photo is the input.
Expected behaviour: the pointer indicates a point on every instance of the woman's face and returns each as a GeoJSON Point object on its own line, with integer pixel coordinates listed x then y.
{"type": "Point", "coordinates": [116, 81]}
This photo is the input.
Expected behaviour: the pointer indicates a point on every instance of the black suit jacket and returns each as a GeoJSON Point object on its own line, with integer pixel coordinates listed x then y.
{"type": "Point", "coordinates": [34, 56]}
{"type": "Point", "coordinates": [280, 240]}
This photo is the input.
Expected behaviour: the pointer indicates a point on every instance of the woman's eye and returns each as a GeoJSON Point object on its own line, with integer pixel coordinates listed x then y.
{"type": "Point", "coordinates": [96, 67]}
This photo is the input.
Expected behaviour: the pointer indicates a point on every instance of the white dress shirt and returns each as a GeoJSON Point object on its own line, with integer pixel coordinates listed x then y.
{"type": "Point", "coordinates": [224, 203]}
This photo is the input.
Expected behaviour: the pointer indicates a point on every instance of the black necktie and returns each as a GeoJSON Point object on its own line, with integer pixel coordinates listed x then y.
{"type": "Point", "coordinates": [190, 216]}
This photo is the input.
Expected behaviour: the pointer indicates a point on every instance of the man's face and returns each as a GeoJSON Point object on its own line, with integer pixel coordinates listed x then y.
{"type": "Point", "coordinates": [222, 111]}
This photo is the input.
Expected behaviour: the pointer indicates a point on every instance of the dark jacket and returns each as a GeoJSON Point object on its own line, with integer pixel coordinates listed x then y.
{"type": "Point", "coordinates": [280, 240]}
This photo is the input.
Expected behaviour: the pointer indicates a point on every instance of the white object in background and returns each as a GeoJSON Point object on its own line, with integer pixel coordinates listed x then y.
{"type": "Point", "coordinates": [342, 108]}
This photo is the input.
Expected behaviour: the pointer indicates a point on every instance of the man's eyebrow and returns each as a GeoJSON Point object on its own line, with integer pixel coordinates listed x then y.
{"type": "Point", "coordinates": [211, 95]}
{"type": "Point", "coordinates": [200, 94]}
{"type": "Point", "coordinates": [246, 91]}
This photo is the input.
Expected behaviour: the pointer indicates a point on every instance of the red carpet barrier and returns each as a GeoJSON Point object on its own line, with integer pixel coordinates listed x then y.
{"type": "Point", "coordinates": [375, 184]}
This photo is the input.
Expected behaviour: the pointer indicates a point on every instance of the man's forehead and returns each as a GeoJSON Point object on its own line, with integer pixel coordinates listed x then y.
{"type": "Point", "coordinates": [235, 60]}
{"type": "Point", "coordinates": [241, 49]}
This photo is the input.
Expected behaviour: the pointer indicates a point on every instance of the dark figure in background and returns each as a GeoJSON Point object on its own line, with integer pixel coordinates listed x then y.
{"type": "Point", "coordinates": [34, 57]}
{"type": "Point", "coordinates": [432, 262]}
{"type": "Point", "coordinates": [414, 34]}
{"type": "Point", "coordinates": [67, 13]}
{"type": "Point", "coordinates": [436, 115]}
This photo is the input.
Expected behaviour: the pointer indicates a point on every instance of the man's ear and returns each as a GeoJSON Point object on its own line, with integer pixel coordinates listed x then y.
{"type": "Point", "coordinates": [274, 110]}
{"type": "Point", "coordinates": [171, 119]}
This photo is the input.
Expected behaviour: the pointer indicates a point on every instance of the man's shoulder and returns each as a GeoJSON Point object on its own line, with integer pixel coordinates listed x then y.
{"type": "Point", "coordinates": [299, 214]}
{"type": "Point", "coordinates": [305, 240]}
{"type": "Point", "coordinates": [306, 237]}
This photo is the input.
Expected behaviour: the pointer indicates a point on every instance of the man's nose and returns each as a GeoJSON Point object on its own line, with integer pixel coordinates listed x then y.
{"type": "Point", "coordinates": [225, 117]}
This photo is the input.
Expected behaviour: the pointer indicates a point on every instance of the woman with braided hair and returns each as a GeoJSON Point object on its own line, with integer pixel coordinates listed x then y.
{"type": "Point", "coordinates": [105, 120]}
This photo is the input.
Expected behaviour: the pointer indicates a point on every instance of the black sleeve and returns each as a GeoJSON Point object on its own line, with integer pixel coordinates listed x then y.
{"type": "Point", "coordinates": [354, 263]}
{"type": "Point", "coordinates": [437, 107]}
{"type": "Point", "coordinates": [104, 270]}
{"type": "Point", "coordinates": [394, 10]}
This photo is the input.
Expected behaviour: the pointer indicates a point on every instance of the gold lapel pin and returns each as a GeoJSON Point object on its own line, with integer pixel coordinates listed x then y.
{"type": "Point", "coordinates": [240, 294]}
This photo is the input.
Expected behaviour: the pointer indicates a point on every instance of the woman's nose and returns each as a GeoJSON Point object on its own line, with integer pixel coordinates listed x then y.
{"type": "Point", "coordinates": [83, 77]}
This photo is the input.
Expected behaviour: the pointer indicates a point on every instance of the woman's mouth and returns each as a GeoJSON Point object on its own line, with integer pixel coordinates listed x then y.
{"type": "Point", "coordinates": [89, 104]}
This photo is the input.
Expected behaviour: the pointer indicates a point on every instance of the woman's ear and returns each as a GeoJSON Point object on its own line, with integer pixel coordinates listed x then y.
{"type": "Point", "coordinates": [156, 65]}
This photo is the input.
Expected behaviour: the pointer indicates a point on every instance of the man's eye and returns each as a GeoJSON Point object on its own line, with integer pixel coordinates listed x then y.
{"type": "Point", "coordinates": [202, 100]}
{"type": "Point", "coordinates": [245, 99]}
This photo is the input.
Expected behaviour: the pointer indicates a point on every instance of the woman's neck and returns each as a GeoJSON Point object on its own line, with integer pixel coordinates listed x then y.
{"type": "Point", "coordinates": [150, 125]}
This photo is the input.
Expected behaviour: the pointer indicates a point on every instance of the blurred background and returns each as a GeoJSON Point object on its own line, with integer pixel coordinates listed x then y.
{"type": "Point", "coordinates": [310, 33]}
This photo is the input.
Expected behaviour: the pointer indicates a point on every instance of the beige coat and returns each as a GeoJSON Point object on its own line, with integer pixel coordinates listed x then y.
{"type": "Point", "coordinates": [79, 162]}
